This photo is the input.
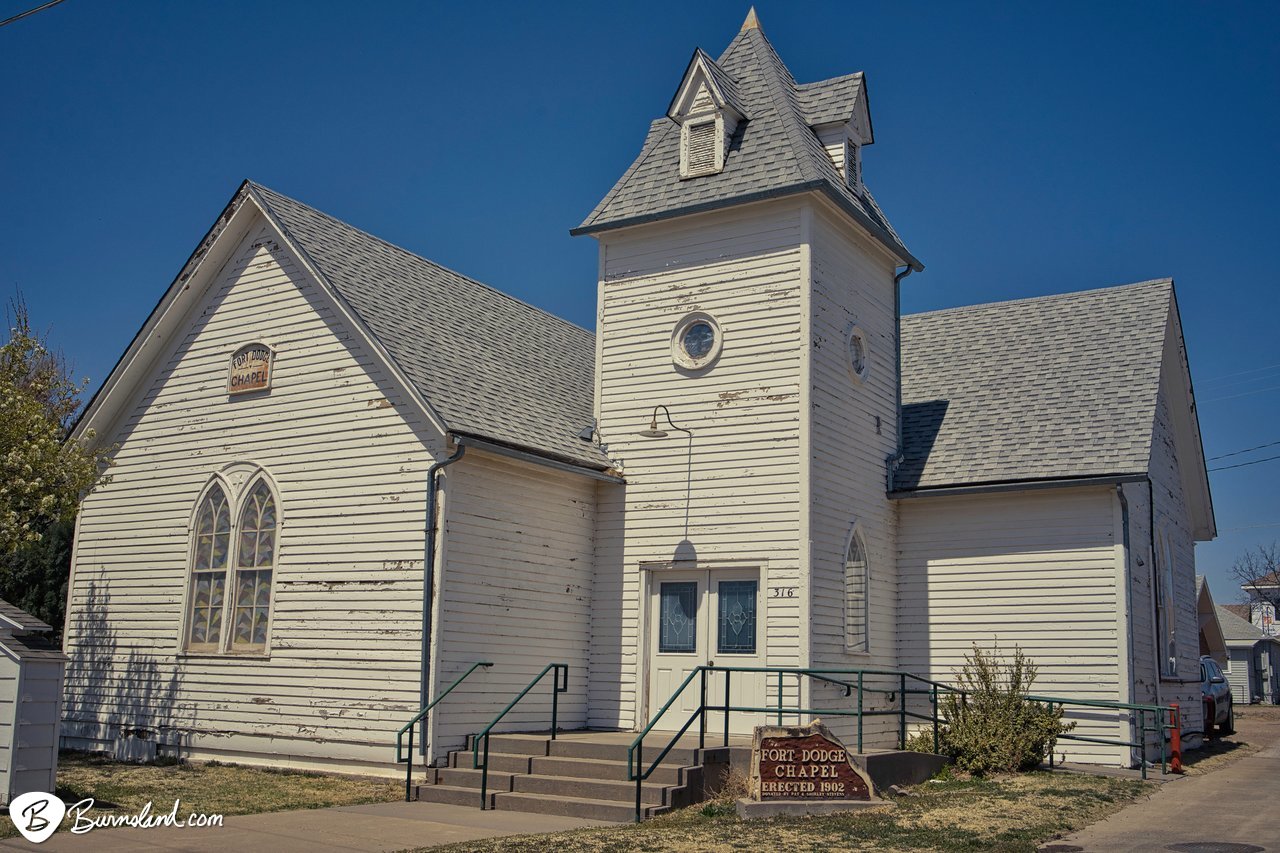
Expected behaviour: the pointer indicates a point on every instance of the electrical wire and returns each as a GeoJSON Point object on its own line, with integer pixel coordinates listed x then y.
{"type": "Point", "coordinates": [1242, 394]}
{"type": "Point", "coordinates": [29, 12]}
{"type": "Point", "coordinates": [1238, 373]}
{"type": "Point", "coordinates": [1246, 450]}
{"type": "Point", "coordinates": [1245, 464]}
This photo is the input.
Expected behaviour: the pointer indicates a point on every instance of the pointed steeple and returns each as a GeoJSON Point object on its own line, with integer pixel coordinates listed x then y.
{"type": "Point", "coordinates": [752, 22]}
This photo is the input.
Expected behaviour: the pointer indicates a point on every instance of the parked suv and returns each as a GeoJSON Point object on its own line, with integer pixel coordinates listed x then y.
{"type": "Point", "coordinates": [1216, 694]}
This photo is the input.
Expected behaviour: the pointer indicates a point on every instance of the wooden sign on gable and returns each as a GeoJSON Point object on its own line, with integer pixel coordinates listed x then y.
{"type": "Point", "coordinates": [250, 369]}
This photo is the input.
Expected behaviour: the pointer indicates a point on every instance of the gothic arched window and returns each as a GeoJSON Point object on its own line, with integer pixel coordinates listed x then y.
{"type": "Point", "coordinates": [856, 599]}
{"type": "Point", "coordinates": [232, 567]}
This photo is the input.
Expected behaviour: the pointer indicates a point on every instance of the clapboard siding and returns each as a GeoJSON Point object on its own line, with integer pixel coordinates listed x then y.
{"type": "Point", "coordinates": [348, 456]}
{"type": "Point", "coordinates": [740, 482]}
{"type": "Point", "coordinates": [515, 590]}
{"type": "Point", "coordinates": [1240, 674]}
{"type": "Point", "coordinates": [852, 284]}
{"type": "Point", "coordinates": [9, 680]}
{"type": "Point", "coordinates": [1172, 520]}
{"type": "Point", "coordinates": [1032, 570]}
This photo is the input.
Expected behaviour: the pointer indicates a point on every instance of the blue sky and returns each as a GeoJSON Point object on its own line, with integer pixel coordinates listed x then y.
{"type": "Point", "coordinates": [1022, 149]}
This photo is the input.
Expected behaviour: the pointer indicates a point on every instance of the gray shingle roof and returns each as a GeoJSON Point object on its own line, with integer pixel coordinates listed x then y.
{"type": "Point", "coordinates": [774, 152]}
{"type": "Point", "coordinates": [19, 619]}
{"type": "Point", "coordinates": [831, 101]}
{"type": "Point", "coordinates": [29, 648]}
{"type": "Point", "coordinates": [1054, 387]}
{"type": "Point", "coordinates": [489, 365]}
{"type": "Point", "coordinates": [1236, 630]}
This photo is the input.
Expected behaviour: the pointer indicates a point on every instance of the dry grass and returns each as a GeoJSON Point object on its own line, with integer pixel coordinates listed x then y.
{"type": "Point", "coordinates": [215, 788]}
{"type": "Point", "coordinates": [1014, 813]}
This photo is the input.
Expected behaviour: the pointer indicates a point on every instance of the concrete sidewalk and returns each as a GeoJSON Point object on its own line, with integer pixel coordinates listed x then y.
{"type": "Point", "coordinates": [376, 827]}
{"type": "Point", "coordinates": [1235, 804]}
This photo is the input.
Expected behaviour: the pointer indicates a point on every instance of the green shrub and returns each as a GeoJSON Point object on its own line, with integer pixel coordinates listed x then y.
{"type": "Point", "coordinates": [994, 728]}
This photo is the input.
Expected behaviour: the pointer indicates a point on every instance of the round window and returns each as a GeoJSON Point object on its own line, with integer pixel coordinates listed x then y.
{"type": "Point", "coordinates": [696, 342]}
{"type": "Point", "coordinates": [859, 357]}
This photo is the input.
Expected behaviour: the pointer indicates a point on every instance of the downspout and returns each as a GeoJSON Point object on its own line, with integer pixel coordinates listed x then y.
{"type": "Point", "coordinates": [1155, 571]}
{"type": "Point", "coordinates": [428, 584]}
{"type": "Point", "coordinates": [896, 459]}
{"type": "Point", "coordinates": [1128, 602]}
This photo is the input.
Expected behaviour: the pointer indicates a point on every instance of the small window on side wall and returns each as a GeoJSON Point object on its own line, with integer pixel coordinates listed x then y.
{"type": "Point", "coordinates": [857, 611]}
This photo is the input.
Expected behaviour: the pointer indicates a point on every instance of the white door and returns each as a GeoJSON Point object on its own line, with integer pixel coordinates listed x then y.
{"type": "Point", "coordinates": [712, 618]}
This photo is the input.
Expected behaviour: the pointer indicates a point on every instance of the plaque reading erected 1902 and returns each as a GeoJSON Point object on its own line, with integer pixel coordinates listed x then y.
{"type": "Point", "coordinates": [250, 369]}
{"type": "Point", "coordinates": [804, 763]}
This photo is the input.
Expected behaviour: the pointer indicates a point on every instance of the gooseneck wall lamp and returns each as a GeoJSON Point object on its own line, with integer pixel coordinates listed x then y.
{"type": "Point", "coordinates": [654, 431]}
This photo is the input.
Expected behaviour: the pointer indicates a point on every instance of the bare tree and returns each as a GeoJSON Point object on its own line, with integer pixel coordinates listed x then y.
{"type": "Point", "coordinates": [1258, 573]}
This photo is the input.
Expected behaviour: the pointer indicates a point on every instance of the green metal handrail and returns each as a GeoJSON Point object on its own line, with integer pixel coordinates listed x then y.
{"type": "Point", "coordinates": [638, 773]}
{"type": "Point", "coordinates": [401, 756]}
{"type": "Point", "coordinates": [1151, 719]}
{"type": "Point", "coordinates": [557, 687]}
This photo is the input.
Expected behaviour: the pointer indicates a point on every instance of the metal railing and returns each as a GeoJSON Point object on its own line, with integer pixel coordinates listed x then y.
{"type": "Point", "coordinates": [1151, 719]}
{"type": "Point", "coordinates": [407, 758]}
{"type": "Point", "coordinates": [850, 679]}
{"type": "Point", "coordinates": [558, 686]}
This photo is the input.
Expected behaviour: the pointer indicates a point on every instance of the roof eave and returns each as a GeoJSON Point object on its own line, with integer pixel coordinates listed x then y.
{"type": "Point", "coordinates": [1030, 484]}
{"type": "Point", "coordinates": [818, 184]}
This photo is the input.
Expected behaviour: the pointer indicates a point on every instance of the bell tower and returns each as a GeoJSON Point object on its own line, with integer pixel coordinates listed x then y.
{"type": "Point", "coordinates": [746, 382]}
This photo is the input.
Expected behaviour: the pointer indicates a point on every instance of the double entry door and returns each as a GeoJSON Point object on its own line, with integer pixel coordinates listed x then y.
{"type": "Point", "coordinates": [706, 618]}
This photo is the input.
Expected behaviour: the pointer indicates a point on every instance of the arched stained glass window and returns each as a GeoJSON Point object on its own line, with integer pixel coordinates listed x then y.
{"type": "Point", "coordinates": [255, 561]}
{"type": "Point", "coordinates": [209, 571]}
{"type": "Point", "coordinates": [233, 559]}
{"type": "Point", "coordinates": [856, 607]}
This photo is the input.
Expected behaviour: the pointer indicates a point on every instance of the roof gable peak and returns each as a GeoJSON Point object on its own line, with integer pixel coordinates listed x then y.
{"type": "Point", "coordinates": [705, 87]}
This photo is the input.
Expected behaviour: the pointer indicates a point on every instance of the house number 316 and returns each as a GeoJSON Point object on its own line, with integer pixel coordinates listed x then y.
{"type": "Point", "coordinates": [783, 591]}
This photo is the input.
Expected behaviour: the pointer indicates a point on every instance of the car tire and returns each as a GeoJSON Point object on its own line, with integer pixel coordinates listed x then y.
{"type": "Point", "coordinates": [1228, 726]}
{"type": "Point", "coordinates": [1208, 717]}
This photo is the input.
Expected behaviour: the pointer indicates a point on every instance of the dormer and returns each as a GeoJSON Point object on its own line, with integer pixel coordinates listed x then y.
{"type": "Point", "coordinates": [708, 108]}
{"type": "Point", "coordinates": [837, 112]}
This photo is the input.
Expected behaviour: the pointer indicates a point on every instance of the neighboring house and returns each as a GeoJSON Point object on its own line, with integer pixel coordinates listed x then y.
{"type": "Point", "coordinates": [1212, 642]}
{"type": "Point", "coordinates": [1253, 665]}
{"type": "Point", "coordinates": [31, 673]}
{"type": "Point", "coordinates": [345, 474]}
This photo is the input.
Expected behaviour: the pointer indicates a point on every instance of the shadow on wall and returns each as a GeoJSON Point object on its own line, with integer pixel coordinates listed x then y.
{"type": "Point", "coordinates": [118, 700]}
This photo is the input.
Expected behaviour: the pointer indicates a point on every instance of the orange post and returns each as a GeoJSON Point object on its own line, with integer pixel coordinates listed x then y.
{"type": "Point", "coordinates": [1175, 740]}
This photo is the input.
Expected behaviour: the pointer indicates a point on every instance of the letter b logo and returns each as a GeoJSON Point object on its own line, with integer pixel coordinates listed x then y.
{"type": "Point", "coordinates": [37, 815]}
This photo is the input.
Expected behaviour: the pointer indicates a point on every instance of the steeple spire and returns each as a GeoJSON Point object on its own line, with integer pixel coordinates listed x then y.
{"type": "Point", "coordinates": [752, 22]}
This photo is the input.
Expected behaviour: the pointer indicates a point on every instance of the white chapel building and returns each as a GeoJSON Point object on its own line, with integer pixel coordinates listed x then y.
{"type": "Point", "coordinates": [345, 474]}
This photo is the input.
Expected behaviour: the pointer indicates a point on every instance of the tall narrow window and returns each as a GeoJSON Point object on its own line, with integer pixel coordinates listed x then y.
{"type": "Point", "coordinates": [255, 560]}
{"type": "Point", "coordinates": [1170, 632]}
{"type": "Point", "coordinates": [856, 608]}
{"type": "Point", "coordinates": [232, 562]}
{"type": "Point", "coordinates": [209, 571]}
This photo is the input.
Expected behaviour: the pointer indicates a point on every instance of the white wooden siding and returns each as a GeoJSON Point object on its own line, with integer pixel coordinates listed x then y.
{"type": "Point", "coordinates": [740, 485]}
{"type": "Point", "coordinates": [1171, 519]}
{"type": "Point", "coordinates": [852, 431]}
{"type": "Point", "coordinates": [515, 589]}
{"type": "Point", "coordinates": [1034, 570]}
{"type": "Point", "coordinates": [35, 736]}
{"type": "Point", "coordinates": [8, 709]}
{"type": "Point", "coordinates": [349, 461]}
{"type": "Point", "coordinates": [1240, 674]}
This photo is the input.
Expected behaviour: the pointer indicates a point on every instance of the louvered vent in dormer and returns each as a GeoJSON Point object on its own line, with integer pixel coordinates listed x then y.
{"type": "Point", "coordinates": [703, 149]}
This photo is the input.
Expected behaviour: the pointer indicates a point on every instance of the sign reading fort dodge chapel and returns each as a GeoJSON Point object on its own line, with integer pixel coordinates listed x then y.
{"type": "Point", "coordinates": [250, 369]}
{"type": "Point", "coordinates": [804, 763]}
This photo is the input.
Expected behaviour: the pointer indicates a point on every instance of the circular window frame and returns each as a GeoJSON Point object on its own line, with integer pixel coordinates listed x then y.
{"type": "Point", "coordinates": [857, 333]}
{"type": "Point", "coordinates": [683, 359]}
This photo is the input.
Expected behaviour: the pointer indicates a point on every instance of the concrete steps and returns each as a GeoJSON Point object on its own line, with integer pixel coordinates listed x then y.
{"type": "Point", "coordinates": [579, 774]}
